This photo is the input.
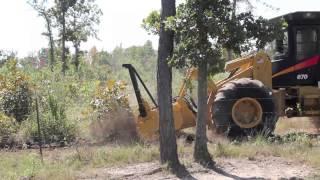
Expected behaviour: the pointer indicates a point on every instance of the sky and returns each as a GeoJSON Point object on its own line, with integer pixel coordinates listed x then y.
{"type": "Point", "coordinates": [21, 28]}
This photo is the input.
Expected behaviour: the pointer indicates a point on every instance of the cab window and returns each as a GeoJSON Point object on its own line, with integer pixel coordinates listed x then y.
{"type": "Point", "coordinates": [306, 40]}
{"type": "Point", "coordinates": [279, 47]}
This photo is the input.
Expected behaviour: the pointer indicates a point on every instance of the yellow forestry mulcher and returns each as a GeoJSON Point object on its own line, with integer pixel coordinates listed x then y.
{"type": "Point", "coordinates": [257, 91]}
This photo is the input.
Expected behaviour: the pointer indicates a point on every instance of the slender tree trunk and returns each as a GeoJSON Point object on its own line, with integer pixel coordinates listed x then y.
{"type": "Point", "coordinates": [63, 55]}
{"type": "Point", "coordinates": [234, 9]}
{"type": "Point", "coordinates": [201, 153]}
{"type": "Point", "coordinates": [229, 54]}
{"type": "Point", "coordinates": [52, 56]}
{"type": "Point", "coordinates": [51, 42]}
{"type": "Point", "coordinates": [76, 56]}
{"type": "Point", "coordinates": [168, 144]}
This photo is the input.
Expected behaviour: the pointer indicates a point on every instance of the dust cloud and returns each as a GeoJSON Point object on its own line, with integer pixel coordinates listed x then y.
{"type": "Point", "coordinates": [117, 125]}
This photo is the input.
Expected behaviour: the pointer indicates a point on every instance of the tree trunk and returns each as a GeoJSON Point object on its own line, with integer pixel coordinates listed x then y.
{"type": "Point", "coordinates": [229, 54]}
{"type": "Point", "coordinates": [201, 153]}
{"type": "Point", "coordinates": [168, 144]}
{"type": "Point", "coordinates": [63, 55]}
{"type": "Point", "coordinates": [234, 8]}
{"type": "Point", "coordinates": [51, 42]}
{"type": "Point", "coordinates": [76, 56]}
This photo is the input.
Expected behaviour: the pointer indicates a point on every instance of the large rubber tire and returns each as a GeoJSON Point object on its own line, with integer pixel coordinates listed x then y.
{"type": "Point", "coordinates": [228, 95]}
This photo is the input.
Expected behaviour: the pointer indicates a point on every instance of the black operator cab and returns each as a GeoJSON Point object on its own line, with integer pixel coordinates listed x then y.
{"type": "Point", "coordinates": [296, 55]}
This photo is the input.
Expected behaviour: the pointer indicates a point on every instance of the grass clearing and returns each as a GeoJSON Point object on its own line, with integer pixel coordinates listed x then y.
{"type": "Point", "coordinates": [114, 155]}
{"type": "Point", "coordinates": [64, 163]}
{"type": "Point", "coordinates": [67, 163]}
{"type": "Point", "coordinates": [301, 149]}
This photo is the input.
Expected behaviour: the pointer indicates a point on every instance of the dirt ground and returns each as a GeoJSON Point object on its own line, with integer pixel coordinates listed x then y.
{"type": "Point", "coordinates": [259, 168]}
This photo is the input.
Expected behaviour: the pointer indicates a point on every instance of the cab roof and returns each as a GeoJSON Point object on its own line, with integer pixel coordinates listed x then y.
{"type": "Point", "coordinates": [300, 17]}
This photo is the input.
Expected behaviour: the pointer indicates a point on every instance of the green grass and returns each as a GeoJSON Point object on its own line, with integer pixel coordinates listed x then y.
{"type": "Point", "coordinates": [14, 165]}
{"type": "Point", "coordinates": [64, 164]}
{"type": "Point", "coordinates": [300, 148]}
{"type": "Point", "coordinates": [68, 163]}
{"type": "Point", "coordinates": [28, 164]}
{"type": "Point", "coordinates": [113, 156]}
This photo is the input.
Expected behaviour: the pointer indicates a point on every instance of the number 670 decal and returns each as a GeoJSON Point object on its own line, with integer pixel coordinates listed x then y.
{"type": "Point", "coordinates": [302, 76]}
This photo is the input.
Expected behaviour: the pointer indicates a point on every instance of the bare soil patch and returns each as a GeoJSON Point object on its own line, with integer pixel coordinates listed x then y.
{"type": "Point", "coordinates": [259, 168]}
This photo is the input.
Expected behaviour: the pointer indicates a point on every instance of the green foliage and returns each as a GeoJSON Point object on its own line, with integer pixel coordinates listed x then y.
{"type": "Point", "coordinates": [6, 56]}
{"type": "Point", "coordinates": [84, 16]}
{"type": "Point", "coordinates": [8, 125]}
{"type": "Point", "coordinates": [82, 19]}
{"type": "Point", "coordinates": [15, 94]}
{"type": "Point", "coordinates": [17, 103]}
{"type": "Point", "coordinates": [204, 28]}
{"type": "Point", "coordinates": [152, 23]}
{"type": "Point", "coordinates": [75, 21]}
{"type": "Point", "coordinates": [66, 101]}
{"type": "Point", "coordinates": [261, 31]}
{"type": "Point", "coordinates": [63, 99]}
{"type": "Point", "coordinates": [55, 127]}
{"type": "Point", "coordinates": [111, 96]}
{"type": "Point", "coordinates": [47, 13]}
{"type": "Point", "coordinates": [76, 92]}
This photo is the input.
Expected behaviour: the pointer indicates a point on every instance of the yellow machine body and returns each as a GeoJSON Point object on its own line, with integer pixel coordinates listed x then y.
{"type": "Point", "coordinates": [184, 117]}
{"type": "Point", "coordinates": [148, 126]}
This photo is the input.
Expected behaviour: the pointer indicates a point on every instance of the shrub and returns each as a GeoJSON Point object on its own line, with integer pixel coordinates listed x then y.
{"type": "Point", "coordinates": [55, 127]}
{"type": "Point", "coordinates": [110, 96]}
{"type": "Point", "coordinates": [17, 103]}
{"type": "Point", "coordinates": [8, 125]}
{"type": "Point", "coordinates": [15, 94]}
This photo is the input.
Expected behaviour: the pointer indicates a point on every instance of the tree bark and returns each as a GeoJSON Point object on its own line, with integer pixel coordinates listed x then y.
{"type": "Point", "coordinates": [229, 54]}
{"type": "Point", "coordinates": [201, 153]}
{"type": "Point", "coordinates": [168, 144]}
{"type": "Point", "coordinates": [234, 9]}
{"type": "Point", "coordinates": [63, 39]}
{"type": "Point", "coordinates": [76, 56]}
{"type": "Point", "coordinates": [51, 42]}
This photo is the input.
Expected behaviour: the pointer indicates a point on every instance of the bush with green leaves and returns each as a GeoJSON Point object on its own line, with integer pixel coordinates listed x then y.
{"type": "Point", "coordinates": [54, 124]}
{"type": "Point", "coordinates": [8, 125]}
{"type": "Point", "coordinates": [110, 96]}
{"type": "Point", "coordinates": [15, 94]}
